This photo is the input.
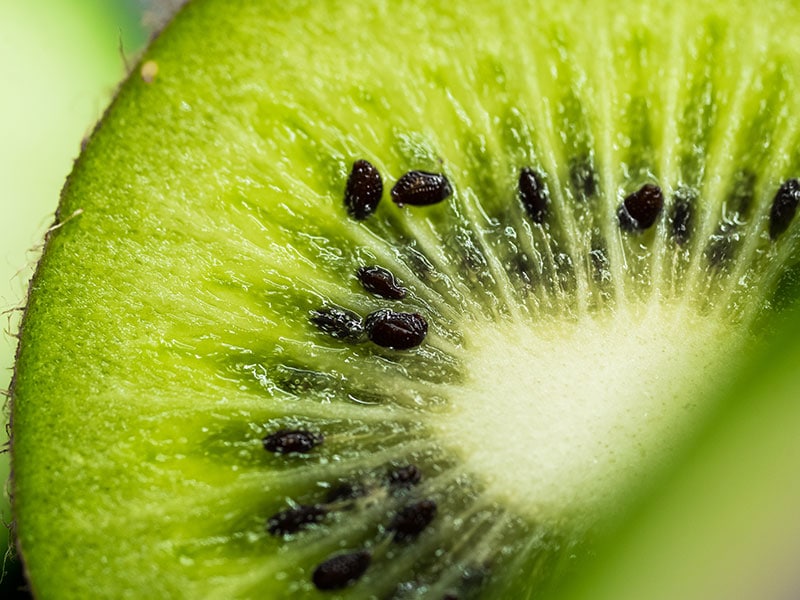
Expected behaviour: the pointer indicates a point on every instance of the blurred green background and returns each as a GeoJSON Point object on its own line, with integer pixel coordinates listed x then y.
{"type": "Point", "coordinates": [724, 524]}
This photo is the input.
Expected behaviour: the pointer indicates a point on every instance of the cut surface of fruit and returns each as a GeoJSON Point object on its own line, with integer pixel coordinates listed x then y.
{"type": "Point", "coordinates": [409, 300]}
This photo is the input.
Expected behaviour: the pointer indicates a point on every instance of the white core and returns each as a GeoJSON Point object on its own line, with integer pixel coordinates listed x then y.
{"type": "Point", "coordinates": [560, 418]}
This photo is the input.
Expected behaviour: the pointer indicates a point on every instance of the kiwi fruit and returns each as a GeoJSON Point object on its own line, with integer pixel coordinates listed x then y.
{"type": "Point", "coordinates": [398, 300]}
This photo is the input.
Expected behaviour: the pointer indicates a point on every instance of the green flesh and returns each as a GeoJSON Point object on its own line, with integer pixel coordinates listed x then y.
{"type": "Point", "coordinates": [168, 326]}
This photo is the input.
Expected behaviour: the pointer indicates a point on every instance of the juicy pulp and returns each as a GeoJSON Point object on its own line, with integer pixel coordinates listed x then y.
{"type": "Point", "coordinates": [168, 326]}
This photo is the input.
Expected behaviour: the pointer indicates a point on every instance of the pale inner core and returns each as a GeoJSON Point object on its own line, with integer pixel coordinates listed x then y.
{"type": "Point", "coordinates": [558, 419]}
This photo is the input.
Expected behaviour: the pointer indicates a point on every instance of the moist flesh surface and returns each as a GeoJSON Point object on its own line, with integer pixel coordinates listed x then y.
{"type": "Point", "coordinates": [243, 372]}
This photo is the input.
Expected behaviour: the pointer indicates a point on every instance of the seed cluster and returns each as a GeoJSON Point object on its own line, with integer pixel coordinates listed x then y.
{"type": "Point", "coordinates": [638, 212]}
{"type": "Point", "coordinates": [385, 327]}
{"type": "Point", "coordinates": [408, 512]}
{"type": "Point", "coordinates": [364, 189]}
{"type": "Point", "coordinates": [407, 523]}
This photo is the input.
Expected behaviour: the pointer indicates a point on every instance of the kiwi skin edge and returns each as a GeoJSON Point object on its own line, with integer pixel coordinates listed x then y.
{"type": "Point", "coordinates": [567, 289]}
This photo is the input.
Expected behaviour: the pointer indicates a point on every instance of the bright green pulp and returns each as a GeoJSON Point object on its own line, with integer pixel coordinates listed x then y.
{"type": "Point", "coordinates": [168, 325]}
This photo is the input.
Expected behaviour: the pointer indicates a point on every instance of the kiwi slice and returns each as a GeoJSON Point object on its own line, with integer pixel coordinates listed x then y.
{"type": "Point", "coordinates": [398, 301]}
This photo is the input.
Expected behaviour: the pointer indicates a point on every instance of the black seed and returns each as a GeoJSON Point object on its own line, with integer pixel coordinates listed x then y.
{"type": "Point", "coordinates": [583, 177]}
{"type": "Point", "coordinates": [784, 207]}
{"type": "Point", "coordinates": [287, 441]}
{"type": "Point", "coordinates": [341, 570]}
{"type": "Point", "coordinates": [381, 282]}
{"type": "Point", "coordinates": [396, 330]}
{"type": "Point", "coordinates": [344, 491]}
{"type": "Point", "coordinates": [533, 194]}
{"type": "Point", "coordinates": [640, 209]}
{"type": "Point", "coordinates": [293, 520]}
{"type": "Point", "coordinates": [420, 188]}
{"type": "Point", "coordinates": [742, 193]}
{"type": "Point", "coordinates": [412, 520]}
{"type": "Point", "coordinates": [364, 190]}
{"type": "Point", "coordinates": [723, 244]}
{"type": "Point", "coordinates": [339, 323]}
{"type": "Point", "coordinates": [682, 216]}
{"type": "Point", "coordinates": [407, 476]}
